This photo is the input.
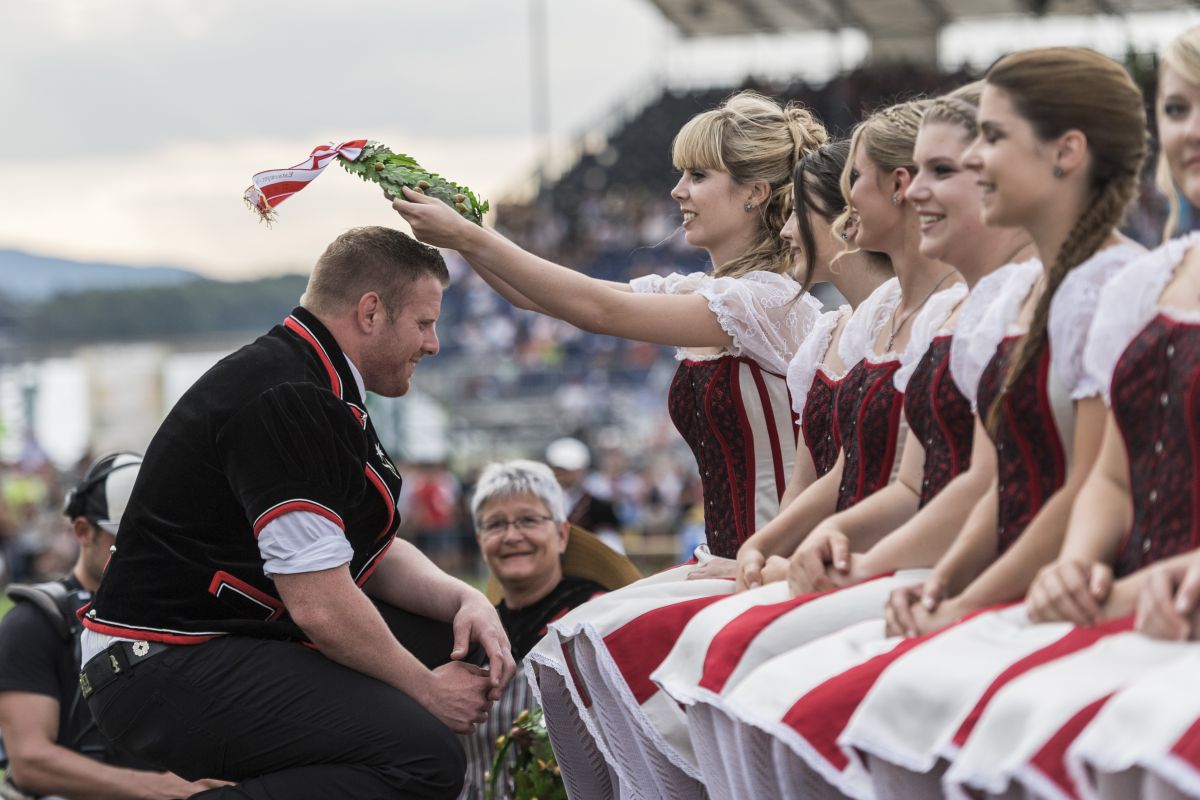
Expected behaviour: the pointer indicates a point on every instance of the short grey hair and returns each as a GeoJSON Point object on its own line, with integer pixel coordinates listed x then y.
{"type": "Point", "coordinates": [505, 479]}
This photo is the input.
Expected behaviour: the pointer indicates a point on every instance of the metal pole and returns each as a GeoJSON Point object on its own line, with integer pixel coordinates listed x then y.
{"type": "Point", "coordinates": [539, 81]}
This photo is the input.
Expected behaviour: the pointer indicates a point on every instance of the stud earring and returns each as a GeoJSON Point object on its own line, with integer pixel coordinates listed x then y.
{"type": "Point", "coordinates": [845, 236]}
{"type": "Point", "coordinates": [1058, 171]}
{"type": "Point", "coordinates": [748, 206]}
{"type": "Point", "coordinates": [896, 199]}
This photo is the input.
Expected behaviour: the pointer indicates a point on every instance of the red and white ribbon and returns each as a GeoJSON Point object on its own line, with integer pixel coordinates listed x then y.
{"type": "Point", "coordinates": [272, 187]}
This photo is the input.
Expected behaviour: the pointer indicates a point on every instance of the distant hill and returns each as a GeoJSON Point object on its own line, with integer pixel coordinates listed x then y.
{"type": "Point", "coordinates": [195, 307]}
{"type": "Point", "coordinates": [25, 277]}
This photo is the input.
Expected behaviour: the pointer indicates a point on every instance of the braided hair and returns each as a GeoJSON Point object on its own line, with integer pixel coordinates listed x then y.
{"type": "Point", "coordinates": [753, 138]}
{"type": "Point", "coordinates": [1058, 89]}
{"type": "Point", "coordinates": [887, 137]}
{"type": "Point", "coordinates": [959, 107]}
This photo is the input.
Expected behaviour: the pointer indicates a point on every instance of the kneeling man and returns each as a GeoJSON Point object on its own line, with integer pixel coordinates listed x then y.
{"type": "Point", "coordinates": [259, 622]}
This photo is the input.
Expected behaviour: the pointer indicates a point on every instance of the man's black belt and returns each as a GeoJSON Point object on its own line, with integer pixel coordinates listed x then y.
{"type": "Point", "coordinates": [117, 659]}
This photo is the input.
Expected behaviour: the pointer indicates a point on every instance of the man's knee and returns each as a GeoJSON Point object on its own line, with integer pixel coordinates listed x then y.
{"type": "Point", "coordinates": [437, 772]}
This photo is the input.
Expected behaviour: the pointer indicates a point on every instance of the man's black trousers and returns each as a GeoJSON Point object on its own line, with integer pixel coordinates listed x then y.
{"type": "Point", "coordinates": [284, 721]}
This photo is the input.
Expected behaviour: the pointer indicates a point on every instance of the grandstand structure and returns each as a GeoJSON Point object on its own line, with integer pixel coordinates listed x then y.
{"type": "Point", "coordinates": [905, 30]}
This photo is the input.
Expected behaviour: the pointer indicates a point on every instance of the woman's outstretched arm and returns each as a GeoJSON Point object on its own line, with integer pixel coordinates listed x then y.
{"type": "Point", "coordinates": [592, 305]}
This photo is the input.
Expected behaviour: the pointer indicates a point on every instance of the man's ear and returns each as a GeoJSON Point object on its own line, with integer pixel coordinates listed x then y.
{"type": "Point", "coordinates": [369, 312]}
{"type": "Point", "coordinates": [82, 530]}
{"type": "Point", "coordinates": [564, 536]}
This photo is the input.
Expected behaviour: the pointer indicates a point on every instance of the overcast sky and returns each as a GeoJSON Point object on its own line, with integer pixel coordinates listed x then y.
{"type": "Point", "coordinates": [131, 127]}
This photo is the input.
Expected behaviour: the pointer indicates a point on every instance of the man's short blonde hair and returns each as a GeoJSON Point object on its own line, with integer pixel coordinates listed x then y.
{"type": "Point", "coordinates": [370, 259]}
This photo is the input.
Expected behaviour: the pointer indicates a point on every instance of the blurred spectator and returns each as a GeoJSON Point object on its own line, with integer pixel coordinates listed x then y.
{"type": "Point", "coordinates": [54, 745]}
{"type": "Point", "coordinates": [570, 460]}
{"type": "Point", "coordinates": [540, 569]}
{"type": "Point", "coordinates": [433, 516]}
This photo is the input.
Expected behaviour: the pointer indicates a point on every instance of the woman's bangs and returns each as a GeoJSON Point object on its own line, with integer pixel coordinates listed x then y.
{"type": "Point", "coordinates": [698, 144]}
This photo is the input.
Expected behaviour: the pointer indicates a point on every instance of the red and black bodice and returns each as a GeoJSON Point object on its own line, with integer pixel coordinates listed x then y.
{"type": "Point", "coordinates": [1031, 464]}
{"type": "Point", "coordinates": [725, 410]}
{"type": "Point", "coordinates": [940, 417]}
{"type": "Point", "coordinates": [820, 433]}
{"type": "Point", "coordinates": [1156, 403]}
{"type": "Point", "coordinates": [867, 425]}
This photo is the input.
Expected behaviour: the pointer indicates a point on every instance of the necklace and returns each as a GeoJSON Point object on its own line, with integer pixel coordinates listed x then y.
{"type": "Point", "coordinates": [1008, 259]}
{"type": "Point", "coordinates": [898, 326]}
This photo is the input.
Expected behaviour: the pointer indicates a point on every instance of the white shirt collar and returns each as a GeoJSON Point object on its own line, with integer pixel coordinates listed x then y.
{"type": "Point", "coordinates": [362, 390]}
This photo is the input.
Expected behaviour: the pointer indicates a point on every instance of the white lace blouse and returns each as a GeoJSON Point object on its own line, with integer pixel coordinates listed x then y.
{"type": "Point", "coordinates": [989, 315]}
{"type": "Point", "coordinates": [1128, 302]}
{"type": "Point", "coordinates": [760, 311]}
{"type": "Point", "coordinates": [858, 338]}
{"type": "Point", "coordinates": [1072, 312]}
{"type": "Point", "coordinates": [926, 326]}
{"type": "Point", "coordinates": [810, 356]}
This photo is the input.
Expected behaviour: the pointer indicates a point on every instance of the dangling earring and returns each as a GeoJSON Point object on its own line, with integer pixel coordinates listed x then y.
{"type": "Point", "coordinates": [896, 199]}
{"type": "Point", "coordinates": [1058, 171]}
{"type": "Point", "coordinates": [748, 206]}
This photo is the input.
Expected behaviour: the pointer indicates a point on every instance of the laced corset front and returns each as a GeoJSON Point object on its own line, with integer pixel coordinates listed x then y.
{"type": "Point", "coordinates": [867, 424]}
{"type": "Point", "coordinates": [1156, 403]}
{"type": "Point", "coordinates": [940, 417]}
{"type": "Point", "coordinates": [1030, 461]}
{"type": "Point", "coordinates": [737, 419]}
{"type": "Point", "coordinates": [820, 433]}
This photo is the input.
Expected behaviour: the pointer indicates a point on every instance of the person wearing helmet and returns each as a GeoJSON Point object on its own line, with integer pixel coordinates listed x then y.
{"type": "Point", "coordinates": [53, 745]}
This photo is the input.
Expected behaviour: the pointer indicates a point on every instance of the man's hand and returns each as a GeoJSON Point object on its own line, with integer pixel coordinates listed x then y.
{"type": "Point", "coordinates": [750, 563]}
{"type": "Point", "coordinates": [902, 604]}
{"type": "Point", "coordinates": [1070, 591]}
{"type": "Point", "coordinates": [459, 695]}
{"type": "Point", "coordinates": [716, 567]}
{"type": "Point", "coordinates": [1169, 599]}
{"type": "Point", "coordinates": [169, 786]}
{"type": "Point", "coordinates": [477, 621]}
{"type": "Point", "coordinates": [432, 221]}
{"type": "Point", "coordinates": [825, 550]}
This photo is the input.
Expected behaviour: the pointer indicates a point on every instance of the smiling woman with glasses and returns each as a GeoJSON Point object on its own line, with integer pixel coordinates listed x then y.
{"type": "Point", "coordinates": [524, 523]}
{"type": "Point", "coordinates": [543, 567]}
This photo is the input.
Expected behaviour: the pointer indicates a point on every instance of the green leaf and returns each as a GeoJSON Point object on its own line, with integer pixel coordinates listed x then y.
{"type": "Point", "coordinates": [392, 171]}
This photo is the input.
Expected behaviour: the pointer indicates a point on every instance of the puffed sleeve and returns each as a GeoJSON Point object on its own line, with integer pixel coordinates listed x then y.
{"type": "Point", "coordinates": [986, 319]}
{"type": "Point", "coordinates": [1127, 304]}
{"type": "Point", "coordinates": [1071, 313]}
{"type": "Point", "coordinates": [860, 333]}
{"type": "Point", "coordinates": [295, 447]}
{"type": "Point", "coordinates": [764, 314]}
{"type": "Point", "coordinates": [809, 357]}
{"type": "Point", "coordinates": [675, 283]}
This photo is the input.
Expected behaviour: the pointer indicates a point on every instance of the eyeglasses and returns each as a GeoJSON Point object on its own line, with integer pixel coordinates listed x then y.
{"type": "Point", "coordinates": [524, 523]}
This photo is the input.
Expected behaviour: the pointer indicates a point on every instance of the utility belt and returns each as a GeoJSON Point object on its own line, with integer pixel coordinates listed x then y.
{"type": "Point", "coordinates": [10, 792]}
{"type": "Point", "coordinates": [113, 662]}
